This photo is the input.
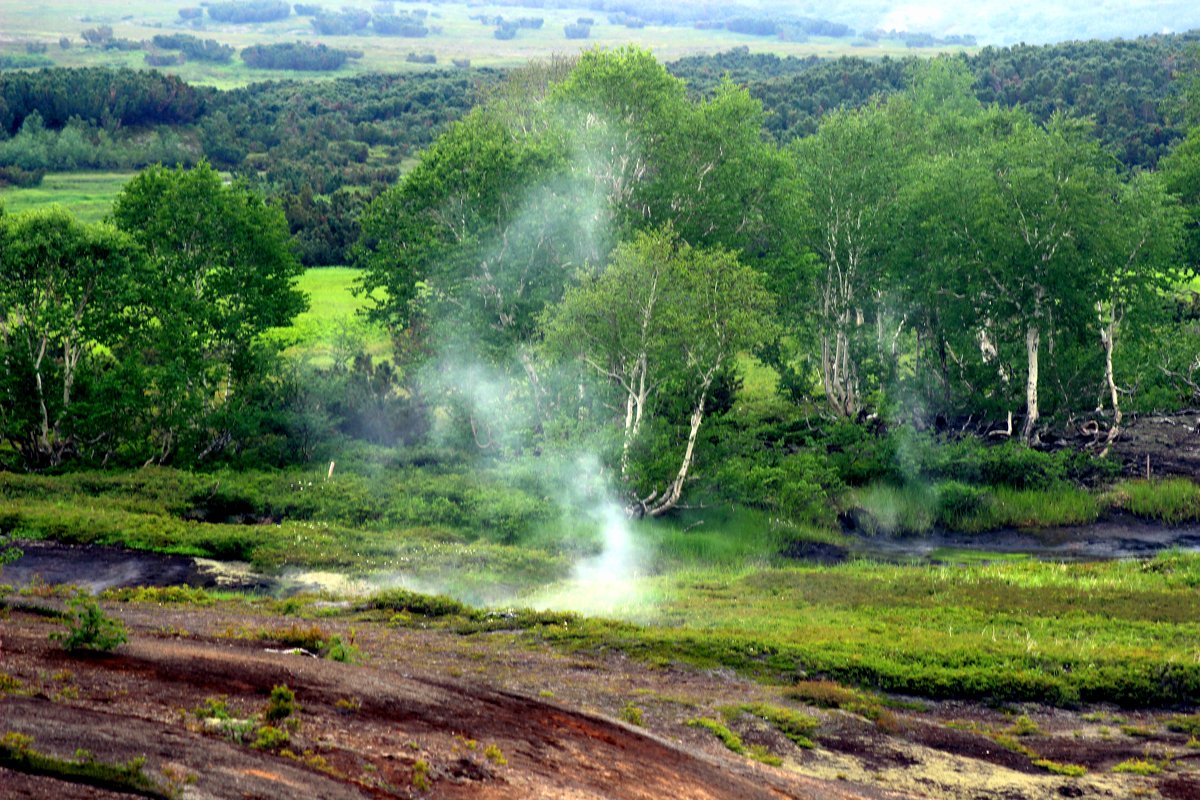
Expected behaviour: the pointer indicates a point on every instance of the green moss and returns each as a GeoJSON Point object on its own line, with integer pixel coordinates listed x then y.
{"type": "Point", "coordinates": [728, 738]}
{"type": "Point", "coordinates": [1138, 766]}
{"type": "Point", "coordinates": [793, 724]}
{"type": "Point", "coordinates": [17, 753]}
{"type": "Point", "coordinates": [1070, 770]}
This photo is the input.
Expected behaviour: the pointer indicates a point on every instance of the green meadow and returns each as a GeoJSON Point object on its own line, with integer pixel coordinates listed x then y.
{"type": "Point", "coordinates": [87, 195]}
{"type": "Point", "coordinates": [460, 38]}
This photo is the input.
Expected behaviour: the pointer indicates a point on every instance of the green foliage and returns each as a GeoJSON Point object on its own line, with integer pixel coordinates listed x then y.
{"type": "Point", "coordinates": [269, 737]}
{"type": "Point", "coordinates": [1069, 770]}
{"type": "Point", "coordinates": [633, 715]}
{"type": "Point", "coordinates": [281, 705]}
{"type": "Point", "coordinates": [346, 652]}
{"type": "Point", "coordinates": [64, 287]}
{"type": "Point", "coordinates": [1139, 766]}
{"type": "Point", "coordinates": [161, 595]}
{"type": "Point", "coordinates": [104, 97]}
{"type": "Point", "coordinates": [420, 776]}
{"type": "Point", "coordinates": [1170, 500]}
{"type": "Point", "coordinates": [492, 753]}
{"type": "Point", "coordinates": [17, 754]}
{"type": "Point", "coordinates": [235, 248]}
{"type": "Point", "coordinates": [89, 628]}
{"type": "Point", "coordinates": [420, 604]}
{"type": "Point", "coordinates": [794, 725]}
{"type": "Point", "coordinates": [1189, 724]}
{"type": "Point", "coordinates": [311, 637]}
{"type": "Point", "coordinates": [728, 738]}
{"type": "Point", "coordinates": [296, 56]}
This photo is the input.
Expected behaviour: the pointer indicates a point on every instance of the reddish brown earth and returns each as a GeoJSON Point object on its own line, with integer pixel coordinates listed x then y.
{"type": "Point", "coordinates": [440, 698]}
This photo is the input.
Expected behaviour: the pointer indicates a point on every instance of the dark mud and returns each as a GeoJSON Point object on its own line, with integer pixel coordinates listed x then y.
{"type": "Point", "coordinates": [1118, 537]}
{"type": "Point", "coordinates": [97, 568]}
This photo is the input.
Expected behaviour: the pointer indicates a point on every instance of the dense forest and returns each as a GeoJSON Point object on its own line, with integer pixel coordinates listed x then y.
{"type": "Point", "coordinates": [588, 257]}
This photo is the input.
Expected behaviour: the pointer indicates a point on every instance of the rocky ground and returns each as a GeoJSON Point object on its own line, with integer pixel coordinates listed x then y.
{"type": "Point", "coordinates": [431, 713]}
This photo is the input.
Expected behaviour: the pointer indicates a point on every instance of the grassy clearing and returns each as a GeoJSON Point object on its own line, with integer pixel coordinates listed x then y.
{"type": "Point", "coordinates": [87, 195]}
{"type": "Point", "coordinates": [1116, 632]}
{"type": "Point", "coordinates": [332, 329]}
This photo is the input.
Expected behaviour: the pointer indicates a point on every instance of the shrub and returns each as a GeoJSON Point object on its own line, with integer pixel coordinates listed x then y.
{"type": "Point", "coordinates": [346, 652]}
{"type": "Point", "coordinates": [958, 502]}
{"type": "Point", "coordinates": [270, 738]}
{"type": "Point", "coordinates": [312, 638]}
{"type": "Point", "coordinates": [281, 705]}
{"type": "Point", "coordinates": [1185, 724]}
{"type": "Point", "coordinates": [425, 605]}
{"type": "Point", "coordinates": [89, 628]}
{"type": "Point", "coordinates": [492, 753]}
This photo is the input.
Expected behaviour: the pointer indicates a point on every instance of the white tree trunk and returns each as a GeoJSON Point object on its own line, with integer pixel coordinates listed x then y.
{"type": "Point", "coordinates": [1108, 335]}
{"type": "Point", "coordinates": [670, 498]}
{"type": "Point", "coordinates": [1032, 343]}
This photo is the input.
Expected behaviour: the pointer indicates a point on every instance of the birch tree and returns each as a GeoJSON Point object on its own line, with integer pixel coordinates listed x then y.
{"type": "Point", "coordinates": [661, 313]}
{"type": "Point", "coordinates": [64, 292]}
{"type": "Point", "coordinates": [1027, 232]}
{"type": "Point", "coordinates": [851, 173]}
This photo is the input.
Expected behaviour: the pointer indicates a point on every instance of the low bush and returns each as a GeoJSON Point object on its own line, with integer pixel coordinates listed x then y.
{"type": "Point", "coordinates": [281, 705]}
{"type": "Point", "coordinates": [424, 605]}
{"type": "Point", "coordinates": [89, 628]}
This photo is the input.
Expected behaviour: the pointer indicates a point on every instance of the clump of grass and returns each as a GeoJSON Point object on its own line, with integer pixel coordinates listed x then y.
{"type": "Point", "coordinates": [760, 753]}
{"type": "Point", "coordinates": [1024, 726]}
{"type": "Point", "coordinates": [1139, 766]}
{"type": "Point", "coordinates": [493, 754]}
{"type": "Point", "coordinates": [347, 652]}
{"type": "Point", "coordinates": [891, 510]}
{"type": "Point", "coordinates": [422, 605]}
{"type": "Point", "coordinates": [1171, 500]}
{"type": "Point", "coordinates": [633, 715]}
{"type": "Point", "coordinates": [731, 740]}
{"type": "Point", "coordinates": [1009, 742]}
{"type": "Point", "coordinates": [1064, 504]}
{"type": "Point", "coordinates": [1070, 770]}
{"type": "Point", "coordinates": [1142, 731]}
{"type": "Point", "coordinates": [162, 595]}
{"type": "Point", "coordinates": [9, 684]}
{"type": "Point", "coordinates": [1189, 724]}
{"type": "Point", "coordinates": [311, 637]}
{"type": "Point", "coordinates": [17, 753]}
{"type": "Point", "coordinates": [793, 724]}
{"type": "Point", "coordinates": [420, 776]}
{"type": "Point", "coordinates": [827, 694]}
{"type": "Point", "coordinates": [349, 705]}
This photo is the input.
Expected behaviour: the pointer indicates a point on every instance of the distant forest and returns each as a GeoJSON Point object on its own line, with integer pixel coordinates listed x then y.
{"type": "Point", "coordinates": [324, 149]}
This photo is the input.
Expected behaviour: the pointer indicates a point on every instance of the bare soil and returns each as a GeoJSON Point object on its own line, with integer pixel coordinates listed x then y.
{"type": "Point", "coordinates": [432, 702]}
